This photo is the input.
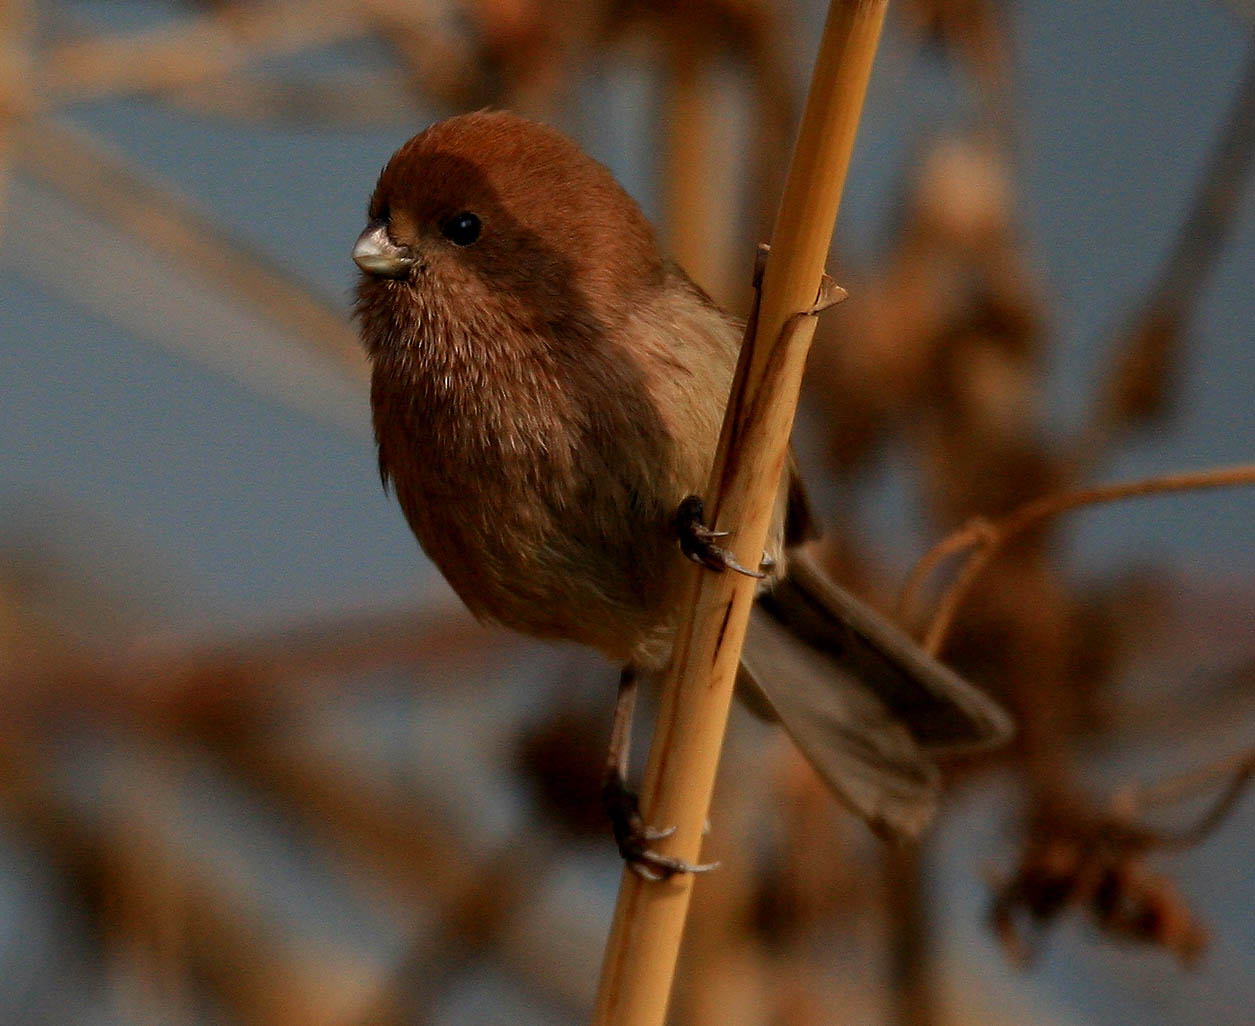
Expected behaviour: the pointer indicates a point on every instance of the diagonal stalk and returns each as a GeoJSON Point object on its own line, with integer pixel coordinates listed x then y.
{"type": "Point", "coordinates": [649, 919]}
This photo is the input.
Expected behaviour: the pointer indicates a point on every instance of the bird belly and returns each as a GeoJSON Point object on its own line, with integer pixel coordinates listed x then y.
{"type": "Point", "coordinates": [545, 546]}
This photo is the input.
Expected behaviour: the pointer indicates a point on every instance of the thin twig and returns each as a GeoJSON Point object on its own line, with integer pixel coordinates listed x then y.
{"type": "Point", "coordinates": [994, 536]}
{"type": "Point", "coordinates": [977, 531]}
{"type": "Point", "coordinates": [1186, 785]}
{"type": "Point", "coordinates": [1238, 770]}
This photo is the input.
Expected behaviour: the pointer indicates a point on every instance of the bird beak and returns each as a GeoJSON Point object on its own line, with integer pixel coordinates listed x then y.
{"type": "Point", "coordinates": [377, 254]}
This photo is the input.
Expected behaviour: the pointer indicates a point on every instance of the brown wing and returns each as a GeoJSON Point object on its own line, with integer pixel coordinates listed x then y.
{"type": "Point", "coordinates": [864, 703]}
{"type": "Point", "coordinates": [800, 525]}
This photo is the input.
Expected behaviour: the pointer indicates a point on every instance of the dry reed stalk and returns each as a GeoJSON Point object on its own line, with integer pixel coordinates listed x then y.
{"type": "Point", "coordinates": [645, 937]}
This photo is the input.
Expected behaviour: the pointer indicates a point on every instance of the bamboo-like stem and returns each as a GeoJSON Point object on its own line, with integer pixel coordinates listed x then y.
{"type": "Point", "coordinates": [645, 937]}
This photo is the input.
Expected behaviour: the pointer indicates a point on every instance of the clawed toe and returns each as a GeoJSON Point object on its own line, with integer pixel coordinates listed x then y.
{"type": "Point", "coordinates": [634, 837]}
{"type": "Point", "coordinates": [651, 866]}
{"type": "Point", "coordinates": [698, 542]}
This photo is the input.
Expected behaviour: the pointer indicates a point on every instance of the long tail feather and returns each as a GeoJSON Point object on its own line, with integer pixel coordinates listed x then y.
{"type": "Point", "coordinates": [862, 701]}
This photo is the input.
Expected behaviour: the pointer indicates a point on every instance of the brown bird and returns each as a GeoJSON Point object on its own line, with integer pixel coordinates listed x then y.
{"type": "Point", "coordinates": [547, 392]}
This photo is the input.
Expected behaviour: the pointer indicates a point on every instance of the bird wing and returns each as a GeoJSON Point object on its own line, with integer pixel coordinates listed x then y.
{"type": "Point", "coordinates": [863, 702]}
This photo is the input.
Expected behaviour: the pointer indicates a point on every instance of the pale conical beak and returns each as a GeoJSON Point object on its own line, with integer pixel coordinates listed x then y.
{"type": "Point", "coordinates": [375, 253]}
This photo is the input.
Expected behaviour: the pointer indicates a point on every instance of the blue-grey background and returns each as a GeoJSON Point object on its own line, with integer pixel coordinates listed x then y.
{"type": "Point", "coordinates": [230, 486]}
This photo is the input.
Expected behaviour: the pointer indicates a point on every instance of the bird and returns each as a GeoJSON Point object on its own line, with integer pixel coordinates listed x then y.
{"type": "Point", "coordinates": [547, 389]}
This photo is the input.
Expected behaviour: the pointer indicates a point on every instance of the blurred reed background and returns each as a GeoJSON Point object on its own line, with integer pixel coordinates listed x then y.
{"type": "Point", "coordinates": [257, 767]}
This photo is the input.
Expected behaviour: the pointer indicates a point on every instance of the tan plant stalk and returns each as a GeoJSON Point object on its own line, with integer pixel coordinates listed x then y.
{"type": "Point", "coordinates": [649, 919]}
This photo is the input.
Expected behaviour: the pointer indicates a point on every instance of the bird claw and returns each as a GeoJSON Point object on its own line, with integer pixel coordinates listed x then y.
{"type": "Point", "coordinates": [651, 866]}
{"type": "Point", "coordinates": [698, 542]}
{"type": "Point", "coordinates": [634, 837]}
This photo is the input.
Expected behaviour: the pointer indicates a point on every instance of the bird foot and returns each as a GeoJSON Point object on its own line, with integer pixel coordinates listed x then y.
{"type": "Point", "coordinates": [634, 838]}
{"type": "Point", "coordinates": [699, 542]}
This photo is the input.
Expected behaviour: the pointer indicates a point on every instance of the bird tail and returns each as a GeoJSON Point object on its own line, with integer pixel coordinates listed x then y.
{"type": "Point", "coordinates": [867, 707]}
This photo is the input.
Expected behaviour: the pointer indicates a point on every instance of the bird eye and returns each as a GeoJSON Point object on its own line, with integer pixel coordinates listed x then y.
{"type": "Point", "coordinates": [461, 229]}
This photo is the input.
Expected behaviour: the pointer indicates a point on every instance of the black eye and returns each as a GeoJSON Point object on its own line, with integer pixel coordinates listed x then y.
{"type": "Point", "coordinates": [461, 229]}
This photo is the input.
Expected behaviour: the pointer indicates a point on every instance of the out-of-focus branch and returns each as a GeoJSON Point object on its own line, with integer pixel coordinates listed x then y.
{"type": "Point", "coordinates": [15, 30]}
{"type": "Point", "coordinates": [181, 680]}
{"type": "Point", "coordinates": [1143, 372]}
{"type": "Point", "coordinates": [261, 973]}
{"type": "Point", "coordinates": [145, 693]}
{"type": "Point", "coordinates": [1236, 770]}
{"type": "Point", "coordinates": [992, 537]}
{"type": "Point", "coordinates": [84, 169]}
{"type": "Point", "coordinates": [972, 31]}
{"type": "Point", "coordinates": [345, 102]}
{"type": "Point", "coordinates": [912, 966]}
{"type": "Point", "coordinates": [1095, 861]}
{"type": "Point", "coordinates": [441, 64]}
{"type": "Point", "coordinates": [195, 49]}
{"type": "Point", "coordinates": [695, 187]}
